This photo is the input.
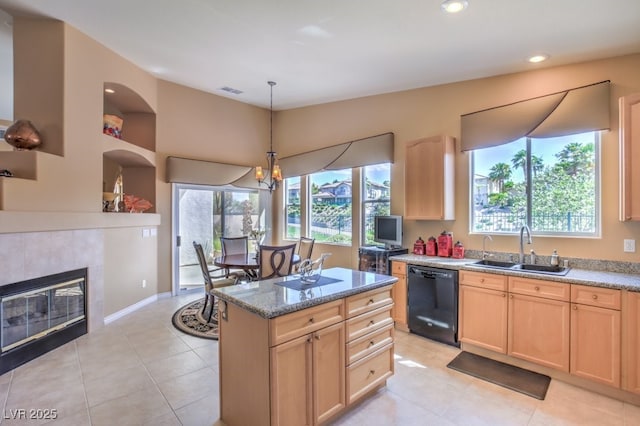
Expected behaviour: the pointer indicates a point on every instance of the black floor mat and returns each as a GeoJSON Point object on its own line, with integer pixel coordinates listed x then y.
{"type": "Point", "coordinates": [508, 376]}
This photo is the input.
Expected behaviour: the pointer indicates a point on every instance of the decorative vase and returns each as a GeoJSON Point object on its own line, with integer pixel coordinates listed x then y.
{"type": "Point", "coordinates": [23, 135]}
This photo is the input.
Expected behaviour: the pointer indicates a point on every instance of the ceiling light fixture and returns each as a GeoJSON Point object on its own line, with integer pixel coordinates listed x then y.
{"type": "Point", "coordinates": [538, 58]}
{"type": "Point", "coordinates": [275, 174]}
{"type": "Point", "coordinates": [454, 6]}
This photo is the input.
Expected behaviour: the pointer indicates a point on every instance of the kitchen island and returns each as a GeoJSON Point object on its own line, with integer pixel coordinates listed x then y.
{"type": "Point", "coordinates": [293, 353]}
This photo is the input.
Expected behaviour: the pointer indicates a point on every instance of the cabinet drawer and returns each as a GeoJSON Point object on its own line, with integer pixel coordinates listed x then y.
{"type": "Point", "coordinates": [371, 371]}
{"type": "Point", "coordinates": [295, 324]}
{"type": "Point", "coordinates": [595, 296]}
{"type": "Point", "coordinates": [540, 288]}
{"type": "Point", "coordinates": [484, 280]}
{"type": "Point", "coordinates": [367, 344]}
{"type": "Point", "coordinates": [398, 268]}
{"type": "Point", "coordinates": [368, 301]}
{"type": "Point", "coordinates": [366, 323]}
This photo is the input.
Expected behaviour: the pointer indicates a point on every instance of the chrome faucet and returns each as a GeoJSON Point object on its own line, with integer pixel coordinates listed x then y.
{"type": "Point", "coordinates": [484, 252]}
{"type": "Point", "coordinates": [524, 228]}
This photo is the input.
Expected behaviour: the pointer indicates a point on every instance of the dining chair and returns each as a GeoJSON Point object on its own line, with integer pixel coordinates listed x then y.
{"type": "Point", "coordinates": [235, 245]}
{"type": "Point", "coordinates": [209, 284]}
{"type": "Point", "coordinates": [305, 247]}
{"type": "Point", "coordinates": [275, 261]}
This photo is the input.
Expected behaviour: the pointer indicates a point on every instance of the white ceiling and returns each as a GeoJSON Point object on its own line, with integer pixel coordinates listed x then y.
{"type": "Point", "coordinates": [326, 50]}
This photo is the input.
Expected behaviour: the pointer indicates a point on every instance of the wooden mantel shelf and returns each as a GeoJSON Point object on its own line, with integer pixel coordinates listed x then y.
{"type": "Point", "coordinates": [23, 221]}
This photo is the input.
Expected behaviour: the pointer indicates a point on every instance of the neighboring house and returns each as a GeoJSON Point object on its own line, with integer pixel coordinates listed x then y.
{"type": "Point", "coordinates": [294, 193]}
{"type": "Point", "coordinates": [376, 191]}
{"type": "Point", "coordinates": [334, 193]}
{"type": "Point", "coordinates": [483, 188]}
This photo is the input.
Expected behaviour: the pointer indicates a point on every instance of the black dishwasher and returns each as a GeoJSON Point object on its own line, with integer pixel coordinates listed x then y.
{"type": "Point", "coordinates": [433, 303]}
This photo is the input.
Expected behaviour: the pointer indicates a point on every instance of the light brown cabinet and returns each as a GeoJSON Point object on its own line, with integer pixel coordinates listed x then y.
{"type": "Point", "coordinates": [595, 335]}
{"type": "Point", "coordinates": [308, 383]}
{"type": "Point", "coordinates": [429, 179]}
{"type": "Point", "coordinates": [369, 342]}
{"type": "Point", "coordinates": [483, 310]}
{"type": "Point", "coordinates": [631, 342]}
{"type": "Point", "coordinates": [399, 295]}
{"type": "Point", "coordinates": [304, 367]}
{"type": "Point", "coordinates": [629, 157]}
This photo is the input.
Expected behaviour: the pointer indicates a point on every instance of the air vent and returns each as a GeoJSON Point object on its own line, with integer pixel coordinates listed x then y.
{"type": "Point", "coordinates": [231, 90]}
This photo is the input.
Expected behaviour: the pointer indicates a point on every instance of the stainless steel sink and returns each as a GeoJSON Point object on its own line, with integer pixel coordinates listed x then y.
{"type": "Point", "coordinates": [542, 269]}
{"type": "Point", "coordinates": [523, 267]}
{"type": "Point", "coordinates": [495, 263]}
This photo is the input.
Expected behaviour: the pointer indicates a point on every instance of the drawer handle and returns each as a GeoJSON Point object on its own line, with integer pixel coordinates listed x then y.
{"type": "Point", "coordinates": [481, 280]}
{"type": "Point", "coordinates": [594, 297]}
{"type": "Point", "coordinates": [504, 295]}
{"type": "Point", "coordinates": [371, 343]}
{"type": "Point", "coordinates": [372, 372]}
{"type": "Point", "coordinates": [311, 320]}
{"type": "Point", "coordinates": [537, 288]}
{"type": "Point", "coordinates": [575, 307]}
{"type": "Point", "coordinates": [309, 340]}
{"type": "Point", "coordinates": [511, 296]}
{"type": "Point", "coordinates": [317, 337]}
{"type": "Point", "coordinates": [370, 301]}
{"type": "Point", "coordinates": [371, 323]}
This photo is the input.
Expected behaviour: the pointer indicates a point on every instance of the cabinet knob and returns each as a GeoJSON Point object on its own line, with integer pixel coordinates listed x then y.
{"type": "Point", "coordinates": [537, 288]}
{"type": "Point", "coordinates": [371, 343]}
{"type": "Point", "coordinates": [309, 340]}
{"type": "Point", "coordinates": [504, 294]}
{"type": "Point", "coordinates": [575, 307]}
{"type": "Point", "coordinates": [372, 372]}
{"type": "Point", "coordinates": [317, 337]}
{"type": "Point", "coordinates": [511, 296]}
{"type": "Point", "coordinates": [481, 280]}
{"type": "Point", "coordinates": [311, 320]}
{"type": "Point", "coordinates": [594, 297]}
{"type": "Point", "coordinates": [370, 301]}
{"type": "Point", "coordinates": [371, 323]}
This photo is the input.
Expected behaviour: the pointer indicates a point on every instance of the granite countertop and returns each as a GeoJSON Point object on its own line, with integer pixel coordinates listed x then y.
{"type": "Point", "coordinates": [279, 296]}
{"type": "Point", "coordinates": [616, 280]}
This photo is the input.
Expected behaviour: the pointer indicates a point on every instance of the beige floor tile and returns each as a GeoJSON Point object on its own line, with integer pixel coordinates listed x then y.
{"type": "Point", "coordinates": [631, 414]}
{"type": "Point", "coordinates": [116, 384]}
{"type": "Point", "coordinates": [107, 364]}
{"type": "Point", "coordinates": [204, 411]}
{"type": "Point", "coordinates": [209, 354]}
{"type": "Point", "coordinates": [161, 349]}
{"type": "Point", "coordinates": [175, 366]}
{"type": "Point", "coordinates": [186, 389]}
{"type": "Point", "coordinates": [134, 409]}
{"type": "Point", "coordinates": [168, 419]}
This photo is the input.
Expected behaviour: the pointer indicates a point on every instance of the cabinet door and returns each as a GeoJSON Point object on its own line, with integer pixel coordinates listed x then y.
{"type": "Point", "coordinates": [291, 382]}
{"type": "Point", "coordinates": [483, 318]}
{"type": "Point", "coordinates": [631, 341]}
{"type": "Point", "coordinates": [429, 179]}
{"type": "Point", "coordinates": [629, 157]}
{"type": "Point", "coordinates": [399, 295]}
{"type": "Point", "coordinates": [329, 372]}
{"type": "Point", "coordinates": [538, 330]}
{"type": "Point", "coordinates": [595, 344]}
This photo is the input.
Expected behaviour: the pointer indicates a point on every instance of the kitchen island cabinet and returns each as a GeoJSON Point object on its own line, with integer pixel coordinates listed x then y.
{"type": "Point", "coordinates": [299, 356]}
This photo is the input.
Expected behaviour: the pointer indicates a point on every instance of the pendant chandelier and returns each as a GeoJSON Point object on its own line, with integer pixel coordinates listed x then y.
{"type": "Point", "coordinates": [275, 174]}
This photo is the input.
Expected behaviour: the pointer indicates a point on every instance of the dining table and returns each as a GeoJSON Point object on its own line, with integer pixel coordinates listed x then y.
{"type": "Point", "coordinates": [248, 262]}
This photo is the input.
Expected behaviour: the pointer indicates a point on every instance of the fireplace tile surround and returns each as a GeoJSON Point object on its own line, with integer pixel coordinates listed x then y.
{"type": "Point", "coordinates": [29, 255]}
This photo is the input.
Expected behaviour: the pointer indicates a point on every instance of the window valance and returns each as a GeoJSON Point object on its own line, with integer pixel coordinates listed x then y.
{"type": "Point", "coordinates": [577, 110]}
{"type": "Point", "coordinates": [362, 152]}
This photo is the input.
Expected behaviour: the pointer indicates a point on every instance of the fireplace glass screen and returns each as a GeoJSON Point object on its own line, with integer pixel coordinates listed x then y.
{"type": "Point", "coordinates": [33, 314]}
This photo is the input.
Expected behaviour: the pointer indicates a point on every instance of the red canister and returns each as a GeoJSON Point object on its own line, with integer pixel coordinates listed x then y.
{"type": "Point", "coordinates": [458, 250]}
{"type": "Point", "coordinates": [445, 244]}
{"type": "Point", "coordinates": [432, 247]}
{"type": "Point", "coordinates": [419, 247]}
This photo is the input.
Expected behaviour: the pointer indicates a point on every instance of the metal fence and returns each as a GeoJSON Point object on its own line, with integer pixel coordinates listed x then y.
{"type": "Point", "coordinates": [551, 222]}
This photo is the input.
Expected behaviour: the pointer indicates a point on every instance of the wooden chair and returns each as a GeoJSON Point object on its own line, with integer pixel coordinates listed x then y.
{"type": "Point", "coordinates": [305, 247]}
{"type": "Point", "coordinates": [275, 261]}
{"type": "Point", "coordinates": [235, 245]}
{"type": "Point", "coordinates": [209, 284]}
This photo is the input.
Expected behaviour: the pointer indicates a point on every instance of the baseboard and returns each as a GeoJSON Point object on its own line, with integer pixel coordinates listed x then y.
{"type": "Point", "coordinates": [132, 308]}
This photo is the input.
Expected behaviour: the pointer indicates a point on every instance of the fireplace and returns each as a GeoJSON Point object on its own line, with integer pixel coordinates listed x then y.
{"type": "Point", "coordinates": [40, 314]}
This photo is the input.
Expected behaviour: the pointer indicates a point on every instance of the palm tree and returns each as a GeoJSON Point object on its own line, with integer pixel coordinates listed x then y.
{"type": "Point", "coordinates": [519, 160]}
{"type": "Point", "coordinates": [499, 173]}
{"type": "Point", "coordinates": [575, 156]}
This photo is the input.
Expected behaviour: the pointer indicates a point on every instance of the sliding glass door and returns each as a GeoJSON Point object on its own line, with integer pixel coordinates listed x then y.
{"type": "Point", "coordinates": [204, 214]}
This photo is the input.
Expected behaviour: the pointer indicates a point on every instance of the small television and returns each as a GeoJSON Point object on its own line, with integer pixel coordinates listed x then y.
{"type": "Point", "coordinates": [387, 230]}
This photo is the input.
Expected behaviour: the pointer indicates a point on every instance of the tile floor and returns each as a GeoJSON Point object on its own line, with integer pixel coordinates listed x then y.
{"type": "Point", "coordinates": [140, 370]}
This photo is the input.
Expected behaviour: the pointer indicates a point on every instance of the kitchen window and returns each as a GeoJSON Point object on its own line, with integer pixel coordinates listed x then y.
{"type": "Point", "coordinates": [292, 208]}
{"type": "Point", "coordinates": [331, 197]}
{"type": "Point", "coordinates": [552, 185]}
{"type": "Point", "coordinates": [376, 197]}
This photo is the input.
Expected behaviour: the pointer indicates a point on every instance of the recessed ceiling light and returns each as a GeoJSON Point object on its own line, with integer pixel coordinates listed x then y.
{"type": "Point", "coordinates": [454, 6]}
{"type": "Point", "coordinates": [538, 58]}
{"type": "Point", "coordinates": [109, 90]}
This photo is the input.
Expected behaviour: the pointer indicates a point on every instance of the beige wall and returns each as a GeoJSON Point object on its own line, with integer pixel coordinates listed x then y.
{"type": "Point", "coordinates": [195, 124]}
{"type": "Point", "coordinates": [436, 110]}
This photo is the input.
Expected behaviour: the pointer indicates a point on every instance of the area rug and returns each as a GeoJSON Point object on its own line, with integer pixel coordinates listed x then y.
{"type": "Point", "coordinates": [190, 319]}
{"type": "Point", "coordinates": [499, 373]}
